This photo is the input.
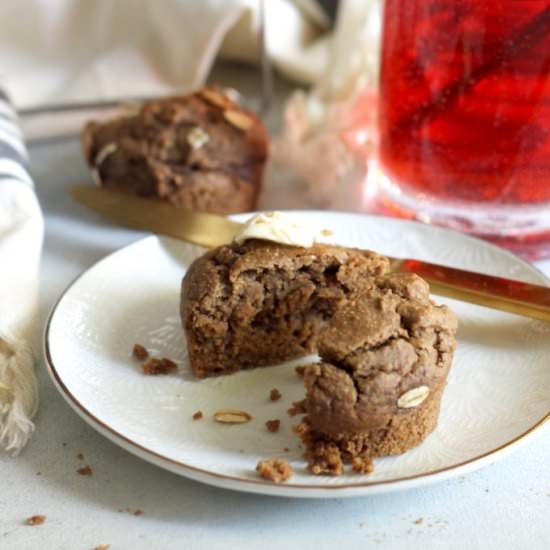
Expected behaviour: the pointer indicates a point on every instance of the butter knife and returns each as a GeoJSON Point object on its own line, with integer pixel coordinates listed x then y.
{"type": "Point", "coordinates": [211, 230]}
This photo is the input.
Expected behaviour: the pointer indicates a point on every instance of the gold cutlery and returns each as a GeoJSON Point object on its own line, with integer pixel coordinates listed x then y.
{"type": "Point", "coordinates": [211, 230]}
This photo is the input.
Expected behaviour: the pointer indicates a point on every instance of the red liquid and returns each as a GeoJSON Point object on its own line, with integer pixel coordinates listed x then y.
{"type": "Point", "coordinates": [465, 99]}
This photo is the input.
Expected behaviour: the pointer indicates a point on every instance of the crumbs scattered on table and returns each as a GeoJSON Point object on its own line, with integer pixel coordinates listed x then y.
{"type": "Point", "coordinates": [137, 512]}
{"type": "Point", "coordinates": [418, 521]}
{"type": "Point", "coordinates": [198, 415]}
{"type": "Point", "coordinates": [80, 456]}
{"type": "Point", "coordinates": [300, 370]}
{"type": "Point", "coordinates": [275, 469]}
{"type": "Point", "coordinates": [155, 366]}
{"type": "Point", "coordinates": [85, 471]}
{"type": "Point", "coordinates": [35, 520]}
{"type": "Point", "coordinates": [298, 407]}
{"type": "Point", "coordinates": [275, 394]}
{"type": "Point", "coordinates": [140, 352]}
{"type": "Point", "coordinates": [286, 449]}
{"type": "Point", "coordinates": [102, 547]}
{"type": "Point", "coordinates": [273, 425]}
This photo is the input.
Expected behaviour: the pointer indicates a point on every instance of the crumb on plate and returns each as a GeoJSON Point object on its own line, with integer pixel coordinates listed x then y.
{"type": "Point", "coordinates": [85, 471]}
{"type": "Point", "coordinates": [140, 352]}
{"type": "Point", "coordinates": [362, 465]}
{"type": "Point", "coordinates": [300, 370]}
{"type": "Point", "coordinates": [273, 425]}
{"type": "Point", "coordinates": [155, 366]}
{"type": "Point", "coordinates": [275, 394]}
{"type": "Point", "coordinates": [298, 407]}
{"type": "Point", "coordinates": [275, 469]}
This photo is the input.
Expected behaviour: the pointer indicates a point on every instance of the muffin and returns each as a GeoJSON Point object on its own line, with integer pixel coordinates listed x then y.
{"type": "Point", "coordinates": [260, 303]}
{"type": "Point", "coordinates": [385, 358]}
{"type": "Point", "coordinates": [201, 151]}
{"type": "Point", "coordinates": [385, 347]}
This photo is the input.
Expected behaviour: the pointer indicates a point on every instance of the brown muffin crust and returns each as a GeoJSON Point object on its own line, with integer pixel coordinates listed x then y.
{"type": "Point", "coordinates": [389, 340]}
{"type": "Point", "coordinates": [385, 360]}
{"type": "Point", "coordinates": [326, 454]}
{"type": "Point", "coordinates": [201, 151]}
{"type": "Point", "coordinates": [261, 303]}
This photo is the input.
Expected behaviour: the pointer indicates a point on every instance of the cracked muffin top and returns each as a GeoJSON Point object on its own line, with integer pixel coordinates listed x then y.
{"type": "Point", "coordinates": [384, 353]}
{"type": "Point", "coordinates": [260, 303]}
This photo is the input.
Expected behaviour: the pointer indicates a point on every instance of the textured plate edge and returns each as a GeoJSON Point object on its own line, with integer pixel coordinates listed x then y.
{"type": "Point", "coordinates": [264, 487]}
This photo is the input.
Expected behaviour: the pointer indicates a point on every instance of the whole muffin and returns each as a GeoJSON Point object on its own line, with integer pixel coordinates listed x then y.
{"type": "Point", "coordinates": [385, 347]}
{"type": "Point", "coordinates": [201, 151]}
{"type": "Point", "coordinates": [385, 360]}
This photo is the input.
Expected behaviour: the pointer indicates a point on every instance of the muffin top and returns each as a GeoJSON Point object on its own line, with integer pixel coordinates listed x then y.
{"type": "Point", "coordinates": [385, 353]}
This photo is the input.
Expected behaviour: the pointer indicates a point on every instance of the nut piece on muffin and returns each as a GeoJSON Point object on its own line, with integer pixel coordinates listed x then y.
{"type": "Point", "coordinates": [201, 151]}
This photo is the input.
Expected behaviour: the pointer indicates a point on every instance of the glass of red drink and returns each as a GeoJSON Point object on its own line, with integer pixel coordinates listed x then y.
{"type": "Point", "coordinates": [465, 117]}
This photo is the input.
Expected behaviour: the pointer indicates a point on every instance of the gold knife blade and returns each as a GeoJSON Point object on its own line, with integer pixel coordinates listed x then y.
{"type": "Point", "coordinates": [212, 230]}
{"type": "Point", "coordinates": [156, 216]}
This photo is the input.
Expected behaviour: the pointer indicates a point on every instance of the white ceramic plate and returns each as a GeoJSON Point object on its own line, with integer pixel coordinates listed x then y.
{"type": "Point", "coordinates": [498, 391]}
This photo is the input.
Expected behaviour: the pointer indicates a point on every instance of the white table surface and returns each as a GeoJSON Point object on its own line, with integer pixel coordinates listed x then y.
{"type": "Point", "coordinates": [504, 506]}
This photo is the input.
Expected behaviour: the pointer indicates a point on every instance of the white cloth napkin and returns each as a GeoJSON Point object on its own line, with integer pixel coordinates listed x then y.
{"type": "Point", "coordinates": [21, 232]}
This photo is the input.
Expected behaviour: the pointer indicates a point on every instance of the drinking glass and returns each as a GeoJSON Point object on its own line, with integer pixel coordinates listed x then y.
{"type": "Point", "coordinates": [464, 117]}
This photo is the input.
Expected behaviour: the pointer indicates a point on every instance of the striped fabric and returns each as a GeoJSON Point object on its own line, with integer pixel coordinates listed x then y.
{"type": "Point", "coordinates": [13, 154]}
{"type": "Point", "coordinates": [21, 233]}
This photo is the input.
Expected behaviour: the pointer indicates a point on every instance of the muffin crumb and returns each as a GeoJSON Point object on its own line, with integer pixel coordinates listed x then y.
{"type": "Point", "coordinates": [35, 520]}
{"type": "Point", "coordinates": [362, 464]}
{"type": "Point", "coordinates": [298, 407]}
{"type": "Point", "coordinates": [198, 415]}
{"type": "Point", "coordinates": [275, 469]}
{"type": "Point", "coordinates": [85, 471]}
{"type": "Point", "coordinates": [275, 394]}
{"type": "Point", "coordinates": [80, 456]}
{"type": "Point", "coordinates": [300, 370]}
{"type": "Point", "coordinates": [140, 352]}
{"type": "Point", "coordinates": [155, 366]}
{"type": "Point", "coordinates": [273, 425]}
